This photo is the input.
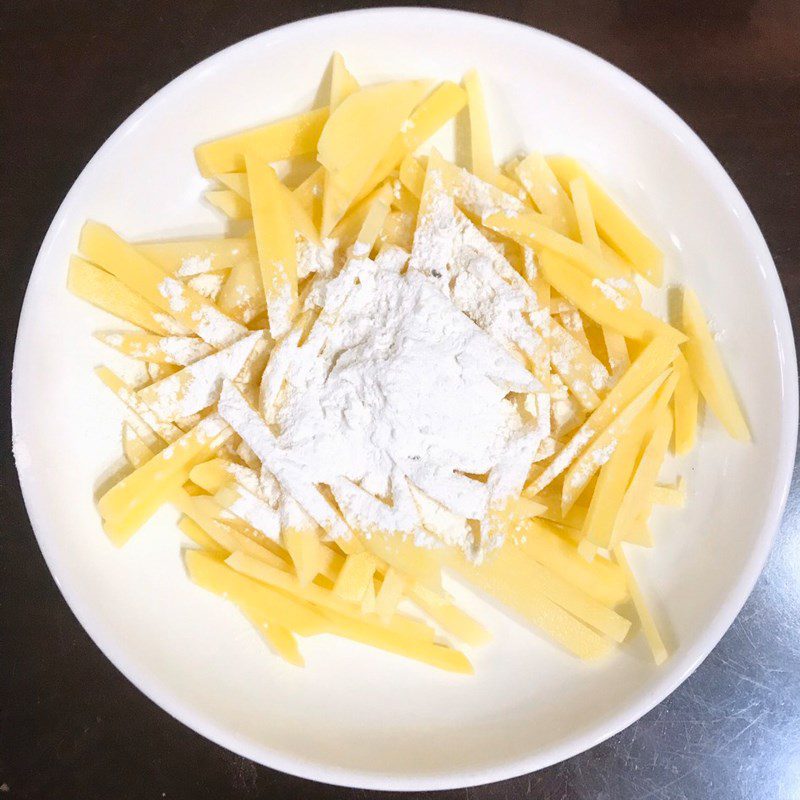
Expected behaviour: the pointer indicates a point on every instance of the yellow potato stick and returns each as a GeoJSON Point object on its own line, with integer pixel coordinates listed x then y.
{"type": "Point", "coordinates": [637, 501]}
{"type": "Point", "coordinates": [569, 597]}
{"type": "Point", "coordinates": [521, 508]}
{"type": "Point", "coordinates": [373, 222]}
{"type": "Point", "coordinates": [231, 204]}
{"type": "Point", "coordinates": [600, 579]}
{"type": "Point", "coordinates": [301, 218]}
{"type": "Point", "coordinates": [480, 199]}
{"type": "Point", "coordinates": [349, 226]}
{"type": "Point", "coordinates": [135, 448]}
{"type": "Point", "coordinates": [103, 247]}
{"type": "Point", "coordinates": [613, 223]}
{"type": "Point", "coordinates": [616, 349]}
{"type": "Point", "coordinates": [368, 119]}
{"type": "Point", "coordinates": [479, 137]}
{"type": "Point", "coordinates": [343, 84]}
{"type": "Point", "coordinates": [356, 137]}
{"type": "Point", "coordinates": [612, 482]}
{"type": "Point", "coordinates": [177, 350]}
{"type": "Point", "coordinates": [547, 193]}
{"type": "Point", "coordinates": [509, 168]}
{"type": "Point", "coordinates": [194, 532]}
{"type": "Point", "coordinates": [451, 618]}
{"type": "Point", "coordinates": [368, 600]}
{"type": "Point", "coordinates": [213, 474]}
{"type": "Point", "coordinates": [685, 406]}
{"type": "Point", "coordinates": [640, 534]}
{"type": "Point", "coordinates": [190, 257]}
{"type": "Point", "coordinates": [215, 576]}
{"type": "Point", "coordinates": [207, 514]}
{"type": "Point", "coordinates": [307, 552]}
{"type": "Point", "coordinates": [440, 106]}
{"type": "Point", "coordinates": [603, 447]}
{"type": "Point", "coordinates": [383, 638]}
{"type": "Point", "coordinates": [167, 431]}
{"type": "Point", "coordinates": [529, 230]}
{"type": "Point", "coordinates": [506, 577]}
{"type": "Point", "coordinates": [645, 618]}
{"type": "Point", "coordinates": [601, 301]}
{"type": "Point", "coordinates": [276, 141]}
{"type": "Point", "coordinates": [584, 215]}
{"type": "Point", "coordinates": [708, 371]}
{"type": "Point", "coordinates": [647, 367]}
{"type": "Point", "coordinates": [412, 175]}
{"type": "Point", "coordinates": [403, 201]}
{"type": "Point", "coordinates": [103, 290]}
{"type": "Point", "coordinates": [282, 579]}
{"type": "Point", "coordinates": [281, 639]}
{"type": "Point", "coordinates": [242, 294]}
{"type": "Point", "coordinates": [398, 230]}
{"type": "Point", "coordinates": [552, 502]}
{"type": "Point", "coordinates": [352, 580]}
{"type": "Point", "coordinates": [581, 372]}
{"type": "Point", "coordinates": [276, 246]}
{"type": "Point", "coordinates": [417, 563]}
{"type": "Point", "coordinates": [389, 595]}
{"type": "Point", "coordinates": [320, 596]}
{"type": "Point", "coordinates": [309, 196]}
{"type": "Point", "coordinates": [132, 501]}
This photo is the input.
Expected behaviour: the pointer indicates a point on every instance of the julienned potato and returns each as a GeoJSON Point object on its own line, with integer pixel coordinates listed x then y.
{"type": "Point", "coordinates": [221, 315]}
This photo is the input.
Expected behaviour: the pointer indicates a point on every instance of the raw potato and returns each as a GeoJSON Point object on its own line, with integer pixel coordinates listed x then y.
{"type": "Point", "coordinates": [215, 576]}
{"type": "Point", "coordinates": [356, 573]}
{"type": "Point", "coordinates": [104, 291]}
{"type": "Point", "coordinates": [541, 184]}
{"type": "Point", "coordinates": [132, 501]}
{"type": "Point", "coordinates": [177, 350]}
{"type": "Point", "coordinates": [102, 246]}
{"type": "Point", "coordinates": [198, 256]}
{"type": "Point", "coordinates": [289, 138]}
{"type": "Point", "coordinates": [685, 406]}
{"type": "Point", "coordinates": [708, 371]}
{"type": "Point", "coordinates": [356, 137]}
{"type": "Point", "coordinates": [307, 552]}
{"type": "Point", "coordinates": [231, 204]}
{"type": "Point", "coordinates": [274, 232]}
{"type": "Point", "coordinates": [648, 624]}
{"type": "Point", "coordinates": [219, 321]}
{"type": "Point", "coordinates": [440, 106]}
{"type": "Point", "coordinates": [638, 499]}
{"type": "Point", "coordinates": [529, 230]}
{"type": "Point", "coordinates": [506, 578]}
{"type": "Point", "coordinates": [602, 302]}
{"type": "Point", "coordinates": [614, 225]}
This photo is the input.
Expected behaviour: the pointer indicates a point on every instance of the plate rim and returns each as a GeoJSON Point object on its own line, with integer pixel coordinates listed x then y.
{"type": "Point", "coordinates": [683, 666]}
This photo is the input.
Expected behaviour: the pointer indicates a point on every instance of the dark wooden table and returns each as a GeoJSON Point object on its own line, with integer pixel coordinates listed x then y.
{"type": "Point", "coordinates": [71, 726]}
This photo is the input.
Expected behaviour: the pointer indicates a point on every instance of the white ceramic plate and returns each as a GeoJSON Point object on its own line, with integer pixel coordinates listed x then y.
{"type": "Point", "coordinates": [356, 716]}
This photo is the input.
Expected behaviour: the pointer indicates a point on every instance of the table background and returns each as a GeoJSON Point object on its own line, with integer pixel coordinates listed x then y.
{"type": "Point", "coordinates": [71, 726]}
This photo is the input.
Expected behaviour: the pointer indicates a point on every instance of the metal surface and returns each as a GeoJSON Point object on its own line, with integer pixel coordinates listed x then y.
{"type": "Point", "coordinates": [70, 725]}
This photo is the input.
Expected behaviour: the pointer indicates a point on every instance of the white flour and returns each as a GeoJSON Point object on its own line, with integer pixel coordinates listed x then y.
{"type": "Point", "coordinates": [394, 384]}
{"type": "Point", "coordinates": [409, 384]}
